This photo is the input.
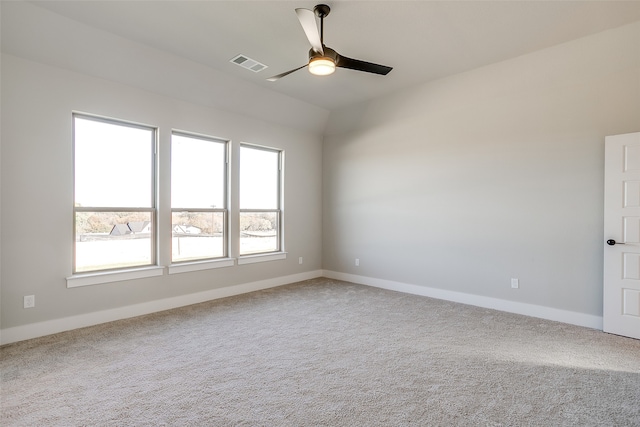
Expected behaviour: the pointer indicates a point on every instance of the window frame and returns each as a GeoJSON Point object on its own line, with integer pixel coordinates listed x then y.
{"type": "Point", "coordinates": [251, 257]}
{"type": "Point", "coordinates": [152, 210]}
{"type": "Point", "coordinates": [225, 198]}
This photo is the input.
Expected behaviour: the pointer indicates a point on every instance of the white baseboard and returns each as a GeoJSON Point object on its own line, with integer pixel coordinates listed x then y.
{"type": "Point", "coordinates": [571, 317]}
{"type": "Point", "coordinates": [34, 330]}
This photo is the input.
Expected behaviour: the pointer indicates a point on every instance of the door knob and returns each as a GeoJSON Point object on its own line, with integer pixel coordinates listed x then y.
{"type": "Point", "coordinates": [612, 242]}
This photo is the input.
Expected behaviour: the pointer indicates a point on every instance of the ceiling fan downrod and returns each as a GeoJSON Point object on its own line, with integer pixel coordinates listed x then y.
{"type": "Point", "coordinates": [321, 11]}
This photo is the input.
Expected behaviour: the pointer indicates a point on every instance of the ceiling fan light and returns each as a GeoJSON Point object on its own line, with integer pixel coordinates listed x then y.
{"type": "Point", "coordinates": [322, 66]}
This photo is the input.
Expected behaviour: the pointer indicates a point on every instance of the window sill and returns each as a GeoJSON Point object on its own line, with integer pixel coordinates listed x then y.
{"type": "Point", "coordinates": [252, 259]}
{"type": "Point", "coordinates": [87, 279]}
{"type": "Point", "coordinates": [201, 265]}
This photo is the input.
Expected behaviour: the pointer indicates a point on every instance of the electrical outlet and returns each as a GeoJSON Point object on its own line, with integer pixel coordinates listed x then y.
{"type": "Point", "coordinates": [300, 260]}
{"type": "Point", "coordinates": [515, 283]}
{"type": "Point", "coordinates": [357, 262]}
{"type": "Point", "coordinates": [29, 301]}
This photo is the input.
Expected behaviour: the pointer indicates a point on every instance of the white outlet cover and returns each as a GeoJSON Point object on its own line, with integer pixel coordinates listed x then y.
{"type": "Point", "coordinates": [29, 301]}
{"type": "Point", "coordinates": [515, 283]}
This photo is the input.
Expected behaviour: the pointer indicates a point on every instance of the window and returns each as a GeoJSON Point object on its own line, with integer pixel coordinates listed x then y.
{"type": "Point", "coordinates": [198, 197]}
{"type": "Point", "coordinates": [260, 200]}
{"type": "Point", "coordinates": [116, 211]}
{"type": "Point", "coordinates": [114, 194]}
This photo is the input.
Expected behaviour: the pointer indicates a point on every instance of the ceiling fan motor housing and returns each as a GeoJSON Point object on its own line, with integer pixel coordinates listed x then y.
{"type": "Point", "coordinates": [328, 53]}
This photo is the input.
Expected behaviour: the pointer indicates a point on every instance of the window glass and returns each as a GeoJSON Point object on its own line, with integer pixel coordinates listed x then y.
{"type": "Point", "coordinates": [258, 232]}
{"type": "Point", "coordinates": [106, 240]}
{"type": "Point", "coordinates": [113, 165]}
{"type": "Point", "coordinates": [259, 178]}
{"type": "Point", "coordinates": [197, 172]}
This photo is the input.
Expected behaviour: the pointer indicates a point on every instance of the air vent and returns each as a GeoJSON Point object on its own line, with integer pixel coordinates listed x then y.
{"type": "Point", "coordinates": [248, 63]}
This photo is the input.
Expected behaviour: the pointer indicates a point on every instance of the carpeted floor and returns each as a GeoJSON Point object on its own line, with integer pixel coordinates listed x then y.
{"type": "Point", "coordinates": [323, 353]}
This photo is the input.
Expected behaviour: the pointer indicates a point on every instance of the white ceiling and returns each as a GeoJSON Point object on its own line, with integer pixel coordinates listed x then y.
{"type": "Point", "coordinates": [422, 40]}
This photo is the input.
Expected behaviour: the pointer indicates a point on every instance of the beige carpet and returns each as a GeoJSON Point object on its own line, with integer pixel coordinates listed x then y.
{"type": "Point", "coordinates": [324, 353]}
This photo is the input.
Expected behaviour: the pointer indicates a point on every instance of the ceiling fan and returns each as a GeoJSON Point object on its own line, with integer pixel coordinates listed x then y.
{"type": "Point", "coordinates": [322, 59]}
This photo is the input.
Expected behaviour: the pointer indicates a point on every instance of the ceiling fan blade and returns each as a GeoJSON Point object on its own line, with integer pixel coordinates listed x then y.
{"type": "Point", "coordinates": [367, 67]}
{"type": "Point", "coordinates": [308, 21]}
{"type": "Point", "coordinates": [286, 73]}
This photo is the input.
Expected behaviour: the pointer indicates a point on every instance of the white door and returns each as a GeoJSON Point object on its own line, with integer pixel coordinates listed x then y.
{"type": "Point", "coordinates": [621, 311]}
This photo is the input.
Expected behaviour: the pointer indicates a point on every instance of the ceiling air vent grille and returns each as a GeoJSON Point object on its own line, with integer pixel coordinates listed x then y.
{"type": "Point", "coordinates": [248, 63]}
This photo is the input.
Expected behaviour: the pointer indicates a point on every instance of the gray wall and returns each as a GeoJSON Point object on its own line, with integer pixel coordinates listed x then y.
{"type": "Point", "coordinates": [459, 184]}
{"type": "Point", "coordinates": [497, 173]}
{"type": "Point", "coordinates": [37, 102]}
